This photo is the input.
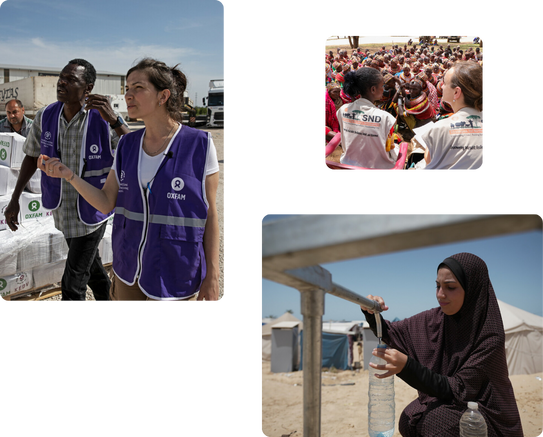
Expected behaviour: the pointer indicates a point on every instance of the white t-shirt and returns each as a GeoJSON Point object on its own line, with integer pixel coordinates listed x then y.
{"type": "Point", "coordinates": [364, 131]}
{"type": "Point", "coordinates": [150, 164]}
{"type": "Point", "coordinates": [456, 142]}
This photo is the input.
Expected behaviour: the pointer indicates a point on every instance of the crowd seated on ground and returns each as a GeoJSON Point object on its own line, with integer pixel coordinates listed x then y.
{"type": "Point", "coordinates": [413, 85]}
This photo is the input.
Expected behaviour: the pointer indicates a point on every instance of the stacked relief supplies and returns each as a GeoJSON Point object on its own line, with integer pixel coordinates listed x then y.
{"type": "Point", "coordinates": [34, 256]}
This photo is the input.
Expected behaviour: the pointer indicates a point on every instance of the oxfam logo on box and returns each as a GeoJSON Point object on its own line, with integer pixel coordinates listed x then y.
{"type": "Point", "coordinates": [3, 284]}
{"type": "Point", "coordinates": [3, 154]}
{"type": "Point", "coordinates": [34, 205]}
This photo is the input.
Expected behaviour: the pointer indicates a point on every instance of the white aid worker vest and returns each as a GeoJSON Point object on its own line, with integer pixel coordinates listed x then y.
{"type": "Point", "coordinates": [364, 131]}
{"type": "Point", "coordinates": [456, 146]}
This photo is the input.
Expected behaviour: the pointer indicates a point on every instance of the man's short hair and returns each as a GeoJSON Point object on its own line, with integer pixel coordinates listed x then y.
{"type": "Point", "coordinates": [90, 72]}
{"type": "Point", "coordinates": [16, 101]}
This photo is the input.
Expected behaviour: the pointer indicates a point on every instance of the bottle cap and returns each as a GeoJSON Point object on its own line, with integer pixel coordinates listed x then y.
{"type": "Point", "coordinates": [473, 405]}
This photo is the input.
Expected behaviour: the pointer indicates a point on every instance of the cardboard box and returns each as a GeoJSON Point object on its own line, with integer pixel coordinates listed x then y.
{"type": "Point", "coordinates": [4, 202]}
{"type": "Point", "coordinates": [8, 180]}
{"type": "Point", "coordinates": [11, 150]}
{"type": "Point", "coordinates": [32, 208]}
{"type": "Point", "coordinates": [8, 254]}
{"type": "Point", "coordinates": [16, 283]}
{"type": "Point", "coordinates": [34, 184]}
{"type": "Point", "coordinates": [48, 274]}
{"type": "Point", "coordinates": [35, 252]}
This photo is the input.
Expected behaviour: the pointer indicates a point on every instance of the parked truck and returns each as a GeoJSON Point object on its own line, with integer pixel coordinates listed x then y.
{"type": "Point", "coordinates": [215, 103]}
{"type": "Point", "coordinates": [34, 93]}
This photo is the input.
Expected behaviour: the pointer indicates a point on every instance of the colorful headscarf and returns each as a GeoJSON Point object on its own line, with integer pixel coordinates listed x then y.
{"type": "Point", "coordinates": [333, 85]}
{"type": "Point", "coordinates": [439, 88]}
{"type": "Point", "coordinates": [421, 78]}
{"type": "Point", "coordinates": [387, 77]}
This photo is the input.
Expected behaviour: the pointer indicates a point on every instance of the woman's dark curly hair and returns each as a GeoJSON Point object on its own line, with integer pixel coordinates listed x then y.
{"type": "Point", "coordinates": [360, 81]}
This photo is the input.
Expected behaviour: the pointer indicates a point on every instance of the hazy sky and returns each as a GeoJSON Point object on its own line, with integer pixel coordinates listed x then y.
{"type": "Point", "coordinates": [406, 280]}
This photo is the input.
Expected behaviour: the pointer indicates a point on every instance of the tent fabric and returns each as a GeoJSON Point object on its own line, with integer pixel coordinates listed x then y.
{"type": "Point", "coordinates": [287, 317]}
{"type": "Point", "coordinates": [335, 351]}
{"type": "Point", "coordinates": [267, 332]}
{"type": "Point", "coordinates": [523, 340]}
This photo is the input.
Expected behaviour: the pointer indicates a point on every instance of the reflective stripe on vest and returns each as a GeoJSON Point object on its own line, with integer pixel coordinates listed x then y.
{"type": "Point", "coordinates": [162, 219]}
{"type": "Point", "coordinates": [101, 172]}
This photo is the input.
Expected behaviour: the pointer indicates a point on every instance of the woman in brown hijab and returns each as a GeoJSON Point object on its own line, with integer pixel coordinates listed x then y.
{"type": "Point", "coordinates": [453, 354]}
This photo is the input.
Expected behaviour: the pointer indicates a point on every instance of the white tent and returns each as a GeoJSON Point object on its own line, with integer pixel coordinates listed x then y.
{"type": "Point", "coordinates": [267, 331]}
{"type": "Point", "coordinates": [523, 340]}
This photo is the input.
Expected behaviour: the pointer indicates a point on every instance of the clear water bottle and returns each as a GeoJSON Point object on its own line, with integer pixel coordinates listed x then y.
{"type": "Point", "coordinates": [381, 401]}
{"type": "Point", "coordinates": [472, 422]}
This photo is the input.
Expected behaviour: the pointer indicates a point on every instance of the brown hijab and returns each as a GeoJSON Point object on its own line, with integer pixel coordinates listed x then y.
{"type": "Point", "coordinates": [469, 349]}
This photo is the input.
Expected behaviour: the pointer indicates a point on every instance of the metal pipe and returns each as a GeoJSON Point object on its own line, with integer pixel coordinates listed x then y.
{"type": "Point", "coordinates": [312, 303]}
{"type": "Point", "coordinates": [343, 293]}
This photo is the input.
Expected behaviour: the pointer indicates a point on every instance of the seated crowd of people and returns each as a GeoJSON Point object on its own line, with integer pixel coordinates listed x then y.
{"type": "Point", "coordinates": [413, 83]}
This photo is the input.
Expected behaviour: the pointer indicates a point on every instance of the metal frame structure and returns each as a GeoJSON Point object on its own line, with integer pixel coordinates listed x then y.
{"type": "Point", "coordinates": [293, 248]}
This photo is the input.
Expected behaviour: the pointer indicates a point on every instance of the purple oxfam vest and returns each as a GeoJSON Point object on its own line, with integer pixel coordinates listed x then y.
{"type": "Point", "coordinates": [158, 233]}
{"type": "Point", "coordinates": [96, 160]}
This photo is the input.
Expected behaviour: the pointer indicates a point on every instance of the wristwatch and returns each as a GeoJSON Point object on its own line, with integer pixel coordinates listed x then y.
{"type": "Point", "coordinates": [118, 123]}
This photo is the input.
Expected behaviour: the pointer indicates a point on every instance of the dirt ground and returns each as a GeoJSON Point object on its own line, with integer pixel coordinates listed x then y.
{"type": "Point", "coordinates": [344, 407]}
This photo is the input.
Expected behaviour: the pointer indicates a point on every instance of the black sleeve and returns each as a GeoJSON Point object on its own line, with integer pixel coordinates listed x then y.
{"type": "Point", "coordinates": [414, 373]}
{"type": "Point", "coordinates": [370, 318]}
{"type": "Point", "coordinates": [426, 381]}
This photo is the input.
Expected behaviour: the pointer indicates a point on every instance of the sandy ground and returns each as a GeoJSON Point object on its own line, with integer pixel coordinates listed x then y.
{"type": "Point", "coordinates": [344, 407]}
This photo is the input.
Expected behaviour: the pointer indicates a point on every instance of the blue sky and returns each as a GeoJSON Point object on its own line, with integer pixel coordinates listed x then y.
{"type": "Point", "coordinates": [406, 280]}
{"type": "Point", "coordinates": [112, 35]}
{"type": "Point", "coordinates": [210, 39]}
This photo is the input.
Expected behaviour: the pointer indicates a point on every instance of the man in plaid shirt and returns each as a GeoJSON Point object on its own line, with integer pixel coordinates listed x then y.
{"type": "Point", "coordinates": [83, 265]}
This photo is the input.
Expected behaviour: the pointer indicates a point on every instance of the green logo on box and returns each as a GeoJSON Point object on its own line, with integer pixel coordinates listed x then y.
{"type": "Point", "coordinates": [34, 205]}
{"type": "Point", "coordinates": [3, 284]}
{"type": "Point", "coordinates": [3, 154]}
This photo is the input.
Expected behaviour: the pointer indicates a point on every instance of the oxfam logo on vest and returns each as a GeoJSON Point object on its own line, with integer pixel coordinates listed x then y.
{"type": "Point", "coordinates": [178, 184]}
{"type": "Point", "coordinates": [94, 149]}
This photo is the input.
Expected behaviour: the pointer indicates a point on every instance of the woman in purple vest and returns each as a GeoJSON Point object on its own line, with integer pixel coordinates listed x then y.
{"type": "Point", "coordinates": [163, 187]}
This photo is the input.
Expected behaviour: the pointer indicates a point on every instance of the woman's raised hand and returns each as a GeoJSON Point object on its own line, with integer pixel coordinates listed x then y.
{"type": "Point", "coordinates": [378, 299]}
{"type": "Point", "coordinates": [52, 167]}
{"type": "Point", "coordinates": [395, 359]}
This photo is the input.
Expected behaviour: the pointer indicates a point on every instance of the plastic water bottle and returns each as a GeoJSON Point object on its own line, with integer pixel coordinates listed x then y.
{"type": "Point", "coordinates": [472, 422]}
{"type": "Point", "coordinates": [381, 401]}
